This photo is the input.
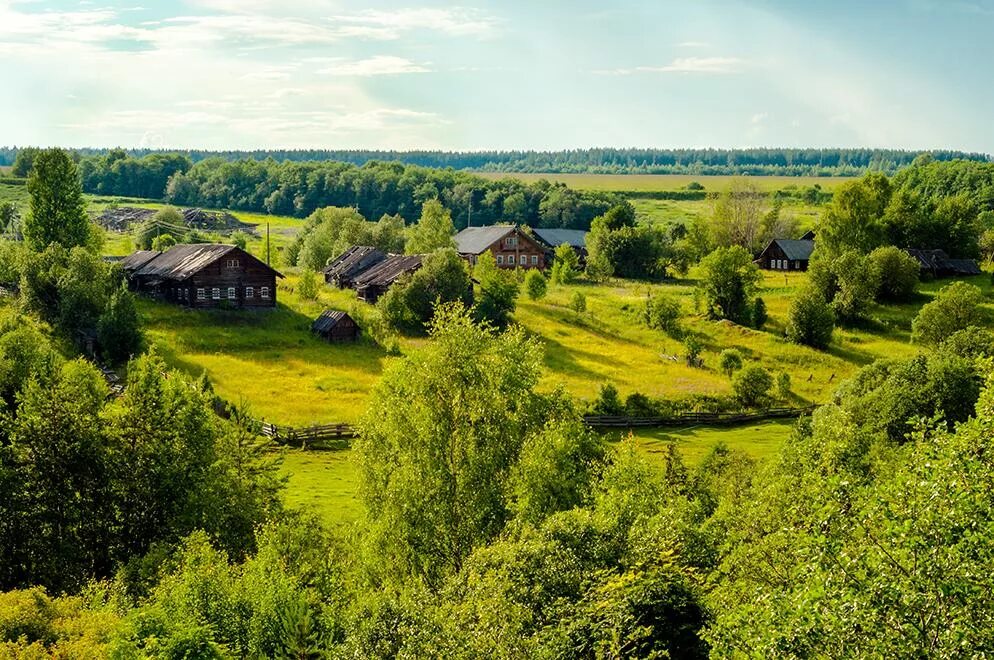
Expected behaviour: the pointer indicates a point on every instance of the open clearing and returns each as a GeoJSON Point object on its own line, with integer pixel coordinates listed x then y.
{"type": "Point", "coordinates": [666, 182]}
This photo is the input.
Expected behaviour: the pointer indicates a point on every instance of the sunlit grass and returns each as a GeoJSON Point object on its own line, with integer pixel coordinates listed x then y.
{"type": "Point", "coordinates": [666, 182]}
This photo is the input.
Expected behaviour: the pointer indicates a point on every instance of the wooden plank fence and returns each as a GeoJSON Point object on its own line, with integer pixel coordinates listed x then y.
{"type": "Point", "coordinates": [309, 436]}
{"type": "Point", "coordinates": [682, 419]}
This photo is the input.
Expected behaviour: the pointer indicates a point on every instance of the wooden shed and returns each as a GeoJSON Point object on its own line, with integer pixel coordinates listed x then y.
{"type": "Point", "coordinates": [335, 325]}
{"type": "Point", "coordinates": [786, 254]}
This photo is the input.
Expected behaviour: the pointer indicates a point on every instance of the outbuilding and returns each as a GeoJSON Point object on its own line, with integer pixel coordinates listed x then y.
{"type": "Point", "coordinates": [336, 326]}
{"type": "Point", "coordinates": [786, 254]}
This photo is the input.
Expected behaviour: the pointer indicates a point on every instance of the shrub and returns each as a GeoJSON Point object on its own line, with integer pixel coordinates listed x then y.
{"type": "Point", "coordinates": [565, 265]}
{"type": "Point", "coordinates": [858, 284]}
{"type": "Point", "coordinates": [608, 402]}
{"type": "Point", "coordinates": [956, 307]}
{"type": "Point", "coordinates": [783, 385]}
{"type": "Point", "coordinates": [972, 342]}
{"type": "Point", "coordinates": [729, 361]}
{"type": "Point", "coordinates": [639, 405]}
{"type": "Point", "coordinates": [898, 272]}
{"type": "Point", "coordinates": [810, 320]}
{"type": "Point", "coordinates": [759, 314]}
{"type": "Point", "coordinates": [409, 303]}
{"type": "Point", "coordinates": [163, 242]}
{"type": "Point", "coordinates": [498, 292]}
{"type": "Point", "coordinates": [307, 286]}
{"type": "Point", "coordinates": [239, 239]}
{"type": "Point", "coordinates": [728, 282]}
{"type": "Point", "coordinates": [752, 384]}
{"type": "Point", "coordinates": [663, 313]}
{"type": "Point", "coordinates": [578, 302]}
{"type": "Point", "coordinates": [692, 348]}
{"type": "Point", "coordinates": [536, 285]}
{"type": "Point", "coordinates": [119, 328]}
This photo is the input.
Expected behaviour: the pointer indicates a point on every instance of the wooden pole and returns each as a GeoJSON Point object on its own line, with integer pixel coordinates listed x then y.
{"type": "Point", "coordinates": [267, 243]}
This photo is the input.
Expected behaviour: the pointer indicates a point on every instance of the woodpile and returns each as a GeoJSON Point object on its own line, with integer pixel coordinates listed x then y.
{"type": "Point", "coordinates": [124, 218]}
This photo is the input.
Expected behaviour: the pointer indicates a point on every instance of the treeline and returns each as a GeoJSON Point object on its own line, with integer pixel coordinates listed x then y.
{"type": "Point", "coordinates": [819, 162]}
{"type": "Point", "coordinates": [374, 189]}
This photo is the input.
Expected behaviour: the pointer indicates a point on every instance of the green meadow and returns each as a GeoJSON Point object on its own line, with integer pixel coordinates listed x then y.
{"type": "Point", "coordinates": [666, 182]}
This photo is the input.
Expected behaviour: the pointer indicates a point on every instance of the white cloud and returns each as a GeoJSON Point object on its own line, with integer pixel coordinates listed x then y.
{"type": "Point", "coordinates": [705, 65]}
{"type": "Point", "coordinates": [379, 65]}
{"type": "Point", "coordinates": [693, 44]}
{"type": "Point", "coordinates": [391, 24]}
{"type": "Point", "coordinates": [758, 118]}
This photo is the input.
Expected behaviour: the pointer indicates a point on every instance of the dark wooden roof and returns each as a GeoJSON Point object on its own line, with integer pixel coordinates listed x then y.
{"type": "Point", "coordinates": [181, 261]}
{"type": "Point", "coordinates": [387, 271]}
{"type": "Point", "coordinates": [353, 261]}
{"type": "Point", "coordinates": [555, 237]}
{"type": "Point", "coordinates": [938, 262]}
{"type": "Point", "coordinates": [475, 240]}
{"type": "Point", "coordinates": [136, 260]}
{"type": "Point", "coordinates": [329, 319]}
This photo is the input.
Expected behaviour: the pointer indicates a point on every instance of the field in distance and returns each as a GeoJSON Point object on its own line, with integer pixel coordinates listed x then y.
{"type": "Point", "coordinates": [667, 182]}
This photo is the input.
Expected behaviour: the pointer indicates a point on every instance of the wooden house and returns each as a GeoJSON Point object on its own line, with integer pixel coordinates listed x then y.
{"type": "Point", "coordinates": [553, 238]}
{"type": "Point", "coordinates": [374, 282]}
{"type": "Point", "coordinates": [203, 276]}
{"type": "Point", "coordinates": [937, 263]}
{"type": "Point", "coordinates": [343, 269]}
{"type": "Point", "coordinates": [511, 247]}
{"type": "Point", "coordinates": [336, 326]}
{"type": "Point", "coordinates": [786, 254]}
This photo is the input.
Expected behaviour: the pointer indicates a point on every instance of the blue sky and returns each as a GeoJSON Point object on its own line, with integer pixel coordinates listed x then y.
{"type": "Point", "coordinates": [481, 75]}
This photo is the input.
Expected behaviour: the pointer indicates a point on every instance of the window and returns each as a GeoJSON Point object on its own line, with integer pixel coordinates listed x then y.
{"type": "Point", "coordinates": [216, 293]}
{"type": "Point", "coordinates": [500, 259]}
{"type": "Point", "coordinates": [232, 263]}
{"type": "Point", "coordinates": [510, 260]}
{"type": "Point", "coordinates": [231, 293]}
{"type": "Point", "coordinates": [264, 292]}
{"type": "Point", "coordinates": [534, 260]}
{"type": "Point", "coordinates": [511, 241]}
{"type": "Point", "coordinates": [201, 294]}
{"type": "Point", "coordinates": [249, 292]}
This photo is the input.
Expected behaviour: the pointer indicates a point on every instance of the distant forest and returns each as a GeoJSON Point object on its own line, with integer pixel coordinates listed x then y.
{"type": "Point", "coordinates": [791, 162]}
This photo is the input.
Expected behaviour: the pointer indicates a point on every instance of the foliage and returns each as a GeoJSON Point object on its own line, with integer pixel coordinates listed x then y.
{"type": "Point", "coordinates": [616, 246]}
{"type": "Point", "coordinates": [898, 272]}
{"type": "Point", "coordinates": [330, 231]}
{"type": "Point", "coordinates": [58, 211]}
{"type": "Point", "coordinates": [578, 302]}
{"type": "Point", "coordinates": [663, 313]}
{"type": "Point", "coordinates": [783, 386]}
{"type": "Point", "coordinates": [498, 292]}
{"type": "Point", "coordinates": [119, 328]}
{"type": "Point", "coordinates": [166, 221]}
{"type": "Point", "coordinates": [565, 265]}
{"type": "Point", "coordinates": [853, 220]}
{"type": "Point", "coordinates": [608, 402]}
{"type": "Point", "coordinates": [410, 303]}
{"type": "Point", "coordinates": [849, 280]}
{"type": "Point", "coordinates": [729, 361]}
{"type": "Point", "coordinates": [728, 282]}
{"type": "Point", "coordinates": [752, 384]}
{"type": "Point", "coordinates": [433, 230]}
{"type": "Point", "coordinates": [955, 307]}
{"type": "Point", "coordinates": [307, 285]}
{"type": "Point", "coordinates": [971, 342]}
{"type": "Point", "coordinates": [536, 285]}
{"type": "Point", "coordinates": [759, 315]}
{"type": "Point", "coordinates": [737, 216]}
{"type": "Point", "coordinates": [163, 242]}
{"type": "Point", "coordinates": [692, 348]}
{"type": "Point", "coordinates": [810, 320]}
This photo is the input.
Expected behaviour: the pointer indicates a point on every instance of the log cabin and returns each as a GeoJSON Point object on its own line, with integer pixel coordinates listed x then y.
{"type": "Point", "coordinates": [203, 276]}
{"type": "Point", "coordinates": [346, 267]}
{"type": "Point", "coordinates": [336, 326]}
{"type": "Point", "coordinates": [374, 282]}
{"type": "Point", "coordinates": [786, 254]}
{"type": "Point", "coordinates": [511, 247]}
{"type": "Point", "coordinates": [553, 238]}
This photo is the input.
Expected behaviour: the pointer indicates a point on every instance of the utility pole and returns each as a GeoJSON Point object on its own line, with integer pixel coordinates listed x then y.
{"type": "Point", "coordinates": [469, 223]}
{"type": "Point", "coordinates": [267, 243]}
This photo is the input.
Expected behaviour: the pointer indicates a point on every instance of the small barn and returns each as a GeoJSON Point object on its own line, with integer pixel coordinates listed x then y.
{"type": "Point", "coordinates": [786, 254]}
{"type": "Point", "coordinates": [336, 326]}
{"type": "Point", "coordinates": [374, 282]}
{"type": "Point", "coordinates": [343, 269]}
{"type": "Point", "coordinates": [937, 263]}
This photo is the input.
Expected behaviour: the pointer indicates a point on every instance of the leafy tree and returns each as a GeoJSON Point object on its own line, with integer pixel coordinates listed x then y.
{"type": "Point", "coordinates": [729, 280]}
{"type": "Point", "coordinates": [163, 242]}
{"type": "Point", "coordinates": [955, 307]}
{"type": "Point", "coordinates": [810, 320]}
{"type": "Point", "coordinates": [729, 361]}
{"type": "Point", "coordinates": [971, 343]}
{"type": "Point", "coordinates": [898, 272]}
{"type": "Point", "coordinates": [759, 315]}
{"type": "Point", "coordinates": [578, 302]}
{"type": "Point", "coordinates": [239, 239]}
{"type": "Point", "coordinates": [853, 221]}
{"type": "Point", "coordinates": [783, 386]}
{"type": "Point", "coordinates": [24, 161]}
{"type": "Point", "coordinates": [535, 284]}
{"type": "Point", "coordinates": [409, 303]}
{"type": "Point", "coordinates": [9, 217]}
{"type": "Point", "coordinates": [433, 231]}
{"type": "Point", "coordinates": [858, 282]}
{"type": "Point", "coordinates": [663, 312]}
{"type": "Point", "coordinates": [692, 348]}
{"type": "Point", "coordinates": [498, 292]}
{"type": "Point", "coordinates": [119, 330]}
{"type": "Point", "coordinates": [565, 265]}
{"type": "Point", "coordinates": [166, 221]}
{"type": "Point", "coordinates": [608, 402]}
{"type": "Point", "coordinates": [58, 211]}
{"type": "Point", "coordinates": [307, 285]}
{"type": "Point", "coordinates": [737, 216]}
{"type": "Point", "coordinates": [443, 432]}
{"type": "Point", "coordinates": [752, 384]}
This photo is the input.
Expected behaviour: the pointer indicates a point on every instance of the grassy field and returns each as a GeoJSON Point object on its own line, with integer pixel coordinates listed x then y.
{"type": "Point", "coordinates": [666, 182]}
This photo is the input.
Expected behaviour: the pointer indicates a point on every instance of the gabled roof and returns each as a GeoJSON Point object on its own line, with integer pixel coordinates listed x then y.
{"type": "Point", "coordinates": [136, 260]}
{"type": "Point", "coordinates": [181, 261]}
{"type": "Point", "coordinates": [329, 319]}
{"type": "Point", "coordinates": [356, 258]}
{"type": "Point", "coordinates": [556, 237]}
{"type": "Point", "coordinates": [475, 240]}
{"type": "Point", "coordinates": [794, 249]}
{"type": "Point", "coordinates": [388, 270]}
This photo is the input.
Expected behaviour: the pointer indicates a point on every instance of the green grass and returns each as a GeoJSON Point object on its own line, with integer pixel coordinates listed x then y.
{"type": "Point", "coordinates": [760, 441]}
{"type": "Point", "coordinates": [665, 182]}
{"type": "Point", "coordinates": [322, 482]}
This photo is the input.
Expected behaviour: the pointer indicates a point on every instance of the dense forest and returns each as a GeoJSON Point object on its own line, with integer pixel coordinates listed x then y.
{"type": "Point", "coordinates": [758, 161]}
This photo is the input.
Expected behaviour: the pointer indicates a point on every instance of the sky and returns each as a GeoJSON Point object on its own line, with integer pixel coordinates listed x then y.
{"type": "Point", "coordinates": [539, 74]}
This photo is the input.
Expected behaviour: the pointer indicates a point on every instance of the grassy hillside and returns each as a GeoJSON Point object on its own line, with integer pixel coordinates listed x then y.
{"type": "Point", "coordinates": [665, 182]}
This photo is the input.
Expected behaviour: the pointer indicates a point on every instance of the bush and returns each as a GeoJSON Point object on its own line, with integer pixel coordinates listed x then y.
{"type": "Point", "coordinates": [163, 242]}
{"type": "Point", "coordinates": [119, 329]}
{"type": "Point", "coordinates": [728, 282]}
{"type": "Point", "coordinates": [810, 320]}
{"type": "Point", "coordinates": [663, 313]}
{"type": "Point", "coordinates": [858, 283]}
{"type": "Point", "coordinates": [759, 314]}
{"type": "Point", "coordinates": [692, 348]}
{"type": "Point", "coordinates": [409, 303]}
{"type": "Point", "coordinates": [498, 292]}
{"type": "Point", "coordinates": [751, 385]}
{"type": "Point", "coordinates": [972, 342]}
{"type": "Point", "coordinates": [536, 285]}
{"type": "Point", "coordinates": [639, 405]}
{"type": "Point", "coordinates": [729, 361]}
{"type": "Point", "coordinates": [783, 386]}
{"type": "Point", "coordinates": [578, 302]}
{"type": "Point", "coordinates": [898, 272]}
{"type": "Point", "coordinates": [565, 265]}
{"type": "Point", "coordinates": [239, 239]}
{"type": "Point", "coordinates": [608, 402]}
{"type": "Point", "coordinates": [956, 307]}
{"type": "Point", "coordinates": [307, 286]}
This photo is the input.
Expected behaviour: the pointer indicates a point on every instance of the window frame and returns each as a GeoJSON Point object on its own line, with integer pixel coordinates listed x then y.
{"type": "Point", "coordinates": [232, 293]}
{"type": "Point", "coordinates": [201, 293]}
{"type": "Point", "coordinates": [215, 293]}
{"type": "Point", "coordinates": [264, 292]}
{"type": "Point", "coordinates": [249, 292]}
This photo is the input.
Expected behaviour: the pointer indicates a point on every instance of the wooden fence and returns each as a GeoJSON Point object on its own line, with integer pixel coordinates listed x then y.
{"type": "Point", "coordinates": [336, 434]}
{"type": "Point", "coordinates": [682, 419]}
